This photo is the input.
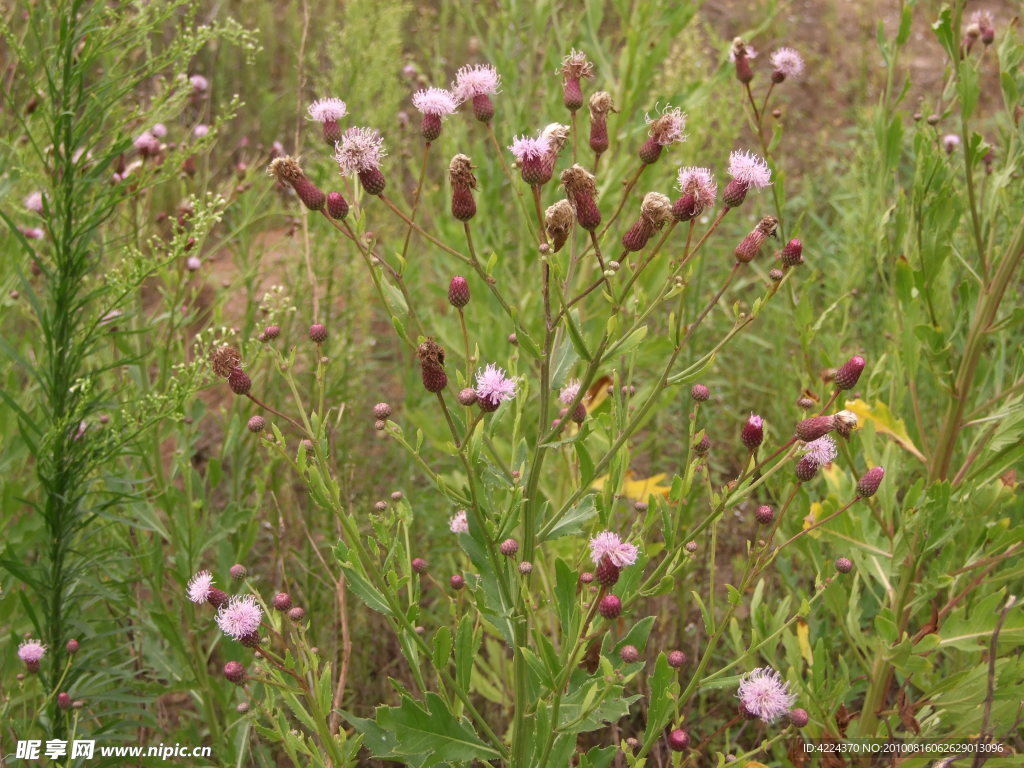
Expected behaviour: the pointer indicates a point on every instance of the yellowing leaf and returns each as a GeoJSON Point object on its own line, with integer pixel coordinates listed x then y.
{"type": "Point", "coordinates": [885, 423]}
{"type": "Point", "coordinates": [597, 393]}
{"type": "Point", "coordinates": [812, 517]}
{"type": "Point", "coordinates": [803, 632]}
{"type": "Point", "coordinates": [638, 490]}
{"type": "Point", "coordinates": [755, 764]}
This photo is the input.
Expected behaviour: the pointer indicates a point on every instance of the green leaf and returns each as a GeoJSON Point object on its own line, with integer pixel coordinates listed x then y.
{"type": "Point", "coordinates": [424, 735]}
{"type": "Point", "coordinates": [572, 522]}
{"type": "Point", "coordinates": [358, 583]}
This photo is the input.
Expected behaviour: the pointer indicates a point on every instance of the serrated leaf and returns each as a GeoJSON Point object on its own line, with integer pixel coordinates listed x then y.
{"type": "Point", "coordinates": [426, 733]}
{"type": "Point", "coordinates": [573, 520]}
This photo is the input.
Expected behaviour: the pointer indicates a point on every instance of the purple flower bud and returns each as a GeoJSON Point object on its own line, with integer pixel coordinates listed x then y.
{"type": "Point", "coordinates": [868, 484]}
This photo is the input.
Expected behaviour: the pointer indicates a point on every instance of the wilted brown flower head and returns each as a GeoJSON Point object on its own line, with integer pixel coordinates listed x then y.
{"type": "Point", "coordinates": [224, 360]}
{"type": "Point", "coordinates": [558, 221]}
{"type": "Point", "coordinates": [460, 171]}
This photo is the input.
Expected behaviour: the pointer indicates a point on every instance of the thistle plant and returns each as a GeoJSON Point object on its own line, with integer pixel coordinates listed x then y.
{"type": "Point", "coordinates": [518, 519]}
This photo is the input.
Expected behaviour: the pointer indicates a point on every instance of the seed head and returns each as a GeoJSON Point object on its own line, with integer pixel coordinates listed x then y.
{"type": "Point", "coordinates": [676, 659]}
{"type": "Point", "coordinates": [846, 422]}
{"type": "Point", "coordinates": [460, 173]}
{"type": "Point", "coordinates": [581, 191]}
{"type": "Point", "coordinates": [600, 104]}
{"type": "Point", "coordinates": [610, 606]}
{"type": "Point", "coordinates": [786, 62]}
{"type": "Point", "coordinates": [750, 246]}
{"type": "Point", "coordinates": [849, 374]}
{"type": "Point", "coordinates": [629, 654]}
{"type": "Point", "coordinates": [224, 360]}
{"type": "Point", "coordinates": [700, 393]}
{"type": "Point", "coordinates": [458, 292]}
{"type": "Point", "coordinates": [558, 220]}
{"type": "Point", "coordinates": [431, 356]}
{"type": "Point", "coordinates": [752, 433]}
{"type": "Point", "coordinates": [574, 68]}
{"type": "Point", "coordinates": [557, 135]}
{"type": "Point", "coordinates": [764, 694]}
{"type": "Point", "coordinates": [285, 169]}
{"type": "Point", "coordinates": [740, 53]}
{"type": "Point", "coordinates": [667, 128]}
{"type": "Point", "coordinates": [764, 514]}
{"type": "Point", "coordinates": [867, 486]}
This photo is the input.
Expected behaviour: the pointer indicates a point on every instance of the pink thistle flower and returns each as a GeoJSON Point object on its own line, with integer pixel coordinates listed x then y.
{"type": "Point", "coordinates": [764, 694]}
{"type": "Point", "coordinates": [493, 387]}
{"type": "Point", "coordinates": [569, 391]}
{"type": "Point", "coordinates": [459, 522]}
{"type": "Point", "coordinates": [199, 587]}
{"type": "Point", "coordinates": [32, 233]}
{"type": "Point", "coordinates": [159, 130]}
{"type": "Point", "coordinates": [147, 144]}
{"type": "Point", "coordinates": [749, 169]}
{"type": "Point", "coordinates": [34, 202]}
{"type": "Point", "coordinates": [360, 149]}
{"type": "Point", "coordinates": [821, 451]}
{"type": "Point", "coordinates": [201, 130]}
{"type": "Point", "coordinates": [31, 652]}
{"type": "Point", "coordinates": [534, 158]}
{"type": "Point", "coordinates": [240, 617]}
{"type": "Point", "coordinates": [574, 67]}
{"type": "Point", "coordinates": [786, 62]}
{"type": "Point", "coordinates": [199, 83]}
{"type": "Point", "coordinates": [476, 80]}
{"type": "Point", "coordinates": [435, 101]}
{"type": "Point", "coordinates": [950, 142]}
{"type": "Point", "coordinates": [327, 110]}
{"type": "Point", "coordinates": [699, 191]}
{"type": "Point", "coordinates": [608, 544]}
